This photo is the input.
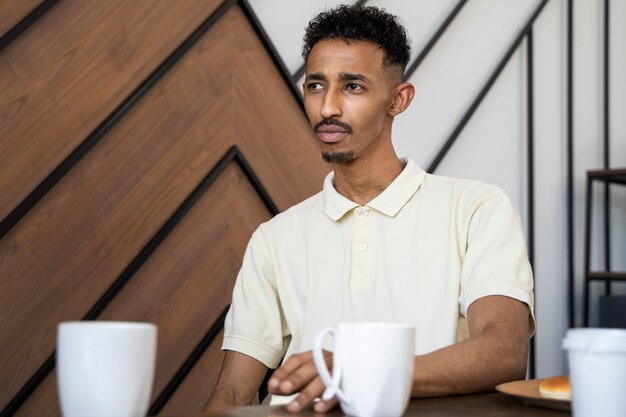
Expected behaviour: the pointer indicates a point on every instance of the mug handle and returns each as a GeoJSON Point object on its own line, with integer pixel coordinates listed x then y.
{"type": "Point", "coordinates": [331, 382]}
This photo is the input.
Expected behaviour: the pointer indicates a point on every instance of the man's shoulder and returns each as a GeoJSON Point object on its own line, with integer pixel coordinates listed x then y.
{"type": "Point", "coordinates": [461, 188]}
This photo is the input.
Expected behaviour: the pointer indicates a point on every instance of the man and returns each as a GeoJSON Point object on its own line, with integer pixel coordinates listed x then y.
{"type": "Point", "coordinates": [383, 241]}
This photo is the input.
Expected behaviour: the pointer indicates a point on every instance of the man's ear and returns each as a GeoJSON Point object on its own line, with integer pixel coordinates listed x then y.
{"type": "Point", "coordinates": [403, 95]}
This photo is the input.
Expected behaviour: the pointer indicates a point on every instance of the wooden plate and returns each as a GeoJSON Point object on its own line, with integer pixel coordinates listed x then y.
{"type": "Point", "coordinates": [529, 392]}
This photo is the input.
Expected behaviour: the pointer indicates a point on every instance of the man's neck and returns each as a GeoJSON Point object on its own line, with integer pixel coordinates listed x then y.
{"type": "Point", "coordinates": [361, 181]}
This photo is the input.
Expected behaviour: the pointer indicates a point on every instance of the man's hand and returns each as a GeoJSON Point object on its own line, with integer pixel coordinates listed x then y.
{"type": "Point", "coordinates": [298, 374]}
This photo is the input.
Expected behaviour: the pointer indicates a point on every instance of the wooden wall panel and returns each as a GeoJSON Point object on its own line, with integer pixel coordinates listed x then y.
{"type": "Point", "coordinates": [69, 249]}
{"type": "Point", "coordinates": [65, 74]}
{"type": "Point", "coordinates": [246, 213]}
{"type": "Point", "coordinates": [63, 255]}
{"type": "Point", "coordinates": [186, 284]}
{"type": "Point", "coordinates": [39, 401]}
{"type": "Point", "coordinates": [193, 394]}
{"type": "Point", "coordinates": [12, 11]}
{"type": "Point", "coordinates": [295, 165]}
{"type": "Point", "coordinates": [189, 398]}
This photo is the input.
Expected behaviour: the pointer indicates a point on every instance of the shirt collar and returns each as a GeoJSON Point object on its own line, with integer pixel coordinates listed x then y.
{"type": "Point", "coordinates": [389, 202]}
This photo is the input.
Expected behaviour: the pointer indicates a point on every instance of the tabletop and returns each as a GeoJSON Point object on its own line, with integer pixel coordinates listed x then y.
{"type": "Point", "coordinates": [478, 405]}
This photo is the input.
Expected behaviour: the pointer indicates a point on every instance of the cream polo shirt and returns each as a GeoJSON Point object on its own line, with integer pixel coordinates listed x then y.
{"type": "Point", "coordinates": [420, 253]}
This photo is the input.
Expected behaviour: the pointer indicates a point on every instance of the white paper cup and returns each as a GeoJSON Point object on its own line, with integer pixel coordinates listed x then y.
{"type": "Point", "coordinates": [105, 369]}
{"type": "Point", "coordinates": [597, 363]}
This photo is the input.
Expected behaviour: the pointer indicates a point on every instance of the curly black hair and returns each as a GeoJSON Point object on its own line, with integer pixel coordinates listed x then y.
{"type": "Point", "coordinates": [361, 23]}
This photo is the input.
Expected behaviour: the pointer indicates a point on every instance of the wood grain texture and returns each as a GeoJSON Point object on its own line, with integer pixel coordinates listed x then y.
{"type": "Point", "coordinates": [193, 394]}
{"type": "Point", "coordinates": [57, 262]}
{"type": "Point", "coordinates": [62, 256]}
{"type": "Point", "coordinates": [64, 75]}
{"type": "Point", "coordinates": [247, 211]}
{"type": "Point", "coordinates": [12, 11]}
{"type": "Point", "coordinates": [184, 287]}
{"type": "Point", "coordinates": [271, 130]}
{"type": "Point", "coordinates": [189, 398]}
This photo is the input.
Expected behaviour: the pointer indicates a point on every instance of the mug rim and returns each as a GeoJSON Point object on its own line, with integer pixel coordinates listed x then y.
{"type": "Point", "coordinates": [105, 324]}
{"type": "Point", "coordinates": [594, 339]}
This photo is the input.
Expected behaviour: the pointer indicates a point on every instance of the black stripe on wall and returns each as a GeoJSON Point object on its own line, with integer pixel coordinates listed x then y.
{"type": "Point", "coordinates": [28, 20]}
{"type": "Point", "coordinates": [188, 365]}
{"type": "Point", "coordinates": [431, 43]}
{"type": "Point", "coordinates": [103, 128]}
{"type": "Point", "coordinates": [69, 162]}
{"type": "Point", "coordinates": [530, 131]}
{"type": "Point", "coordinates": [479, 98]}
{"type": "Point", "coordinates": [607, 143]}
{"type": "Point", "coordinates": [526, 32]}
{"type": "Point", "coordinates": [587, 255]}
{"type": "Point", "coordinates": [44, 370]}
{"type": "Point", "coordinates": [233, 154]}
{"type": "Point", "coordinates": [570, 161]}
{"type": "Point", "coordinates": [94, 137]}
{"type": "Point", "coordinates": [269, 47]}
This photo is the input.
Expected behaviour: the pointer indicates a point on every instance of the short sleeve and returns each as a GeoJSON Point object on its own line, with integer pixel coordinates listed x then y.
{"type": "Point", "coordinates": [496, 260]}
{"type": "Point", "coordinates": [255, 325]}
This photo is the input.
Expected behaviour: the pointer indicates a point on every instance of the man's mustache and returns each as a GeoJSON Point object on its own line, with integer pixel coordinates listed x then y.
{"type": "Point", "coordinates": [335, 122]}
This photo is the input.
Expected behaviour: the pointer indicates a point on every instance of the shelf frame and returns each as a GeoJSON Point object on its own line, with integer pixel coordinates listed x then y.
{"type": "Point", "coordinates": [606, 176]}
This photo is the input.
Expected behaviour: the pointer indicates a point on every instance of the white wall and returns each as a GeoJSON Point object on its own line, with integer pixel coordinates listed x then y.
{"type": "Point", "coordinates": [492, 147]}
{"type": "Point", "coordinates": [550, 187]}
{"type": "Point", "coordinates": [589, 131]}
{"type": "Point", "coordinates": [618, 128]}
{"type": "Point", "coordinates": [284, 22]}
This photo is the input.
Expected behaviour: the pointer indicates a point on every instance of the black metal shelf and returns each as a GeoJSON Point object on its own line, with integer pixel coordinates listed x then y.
{"type": "Point", "coordinates": [606, 276]}
{"type": "Point", "coordinates": [611, 176]}
{"type": "Point", "coordinates": [606, 176]}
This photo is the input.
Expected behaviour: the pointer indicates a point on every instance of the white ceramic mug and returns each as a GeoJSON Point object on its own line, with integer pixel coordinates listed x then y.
{"type": "Point", "coordinates": [372, 367]}
{"type": "Point", "coordinates": [105, 369]}
{"type": "Point", "coordinates": [597, 365]}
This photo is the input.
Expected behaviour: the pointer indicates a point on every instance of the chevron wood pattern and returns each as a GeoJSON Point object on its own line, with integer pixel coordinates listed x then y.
{"type": "Point", "coordinates": [61, 257]}
{"type": "Point", "coordinates": [65, 74]}
{"type": "Point", "coordinates": [198, 386]}
{"type": "Point", "coordinates": [11, 12]}
{"type": "Point", "coordinates": [185, 285]}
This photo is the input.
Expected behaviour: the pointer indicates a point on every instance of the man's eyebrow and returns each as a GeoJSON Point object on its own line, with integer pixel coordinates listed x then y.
{"type": "Point", "coordinates": [315, 76]}
{"type": "Point", "coordinates": [348, 76]}
{"type": "Point", "coordinates": [351, 76]}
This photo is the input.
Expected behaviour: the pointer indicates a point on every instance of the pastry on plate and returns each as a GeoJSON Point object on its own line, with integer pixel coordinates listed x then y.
{"type": "Point", "coordinates": [557, 387]}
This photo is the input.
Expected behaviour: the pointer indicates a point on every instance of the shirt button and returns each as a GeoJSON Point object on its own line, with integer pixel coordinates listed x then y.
{"type": "Point", "coordinates": [363, 247]}
{"type": "Point", "coordinates": [362, 212]}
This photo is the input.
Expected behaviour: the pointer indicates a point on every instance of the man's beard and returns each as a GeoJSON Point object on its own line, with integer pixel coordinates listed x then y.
{"type": "Point", "coordinates": [337, 157]}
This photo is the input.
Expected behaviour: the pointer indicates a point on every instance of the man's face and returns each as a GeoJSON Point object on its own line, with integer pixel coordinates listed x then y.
{"type": "Point", "coordinates": [347, 95]}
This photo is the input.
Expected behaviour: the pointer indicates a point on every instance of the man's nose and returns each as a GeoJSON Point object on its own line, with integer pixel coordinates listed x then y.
{"type": "Point", "coordinates": [331, 106]}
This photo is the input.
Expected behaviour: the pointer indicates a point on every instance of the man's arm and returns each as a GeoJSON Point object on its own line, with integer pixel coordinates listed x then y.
{"type": "Point", "coordinates": [238, 383]}
{"type": "Point", "coordinates": [495, 352]}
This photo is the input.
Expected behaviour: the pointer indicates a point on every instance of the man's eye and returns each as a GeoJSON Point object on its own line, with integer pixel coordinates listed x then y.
{"type": "Point", "coordinates": [314, 86]}
{"type": "Point", "coordinates": [353, 86]}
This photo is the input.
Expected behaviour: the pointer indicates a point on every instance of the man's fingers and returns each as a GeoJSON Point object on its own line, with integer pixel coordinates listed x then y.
{"type": "Point", "coordinates": [298, 374]}
{"type": "Point", "coordinates": [294, 374]}
{"type": "Point", "coordinates": [298, 379]}
{"type": "Point", "coordinates": [324, 406]}
{"type": "Point", "coordinates": [312, 391]}
{"type": "Point", "coordinates": [286, 369]}
{"type": "Point", "coordinates": [281, 374]}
